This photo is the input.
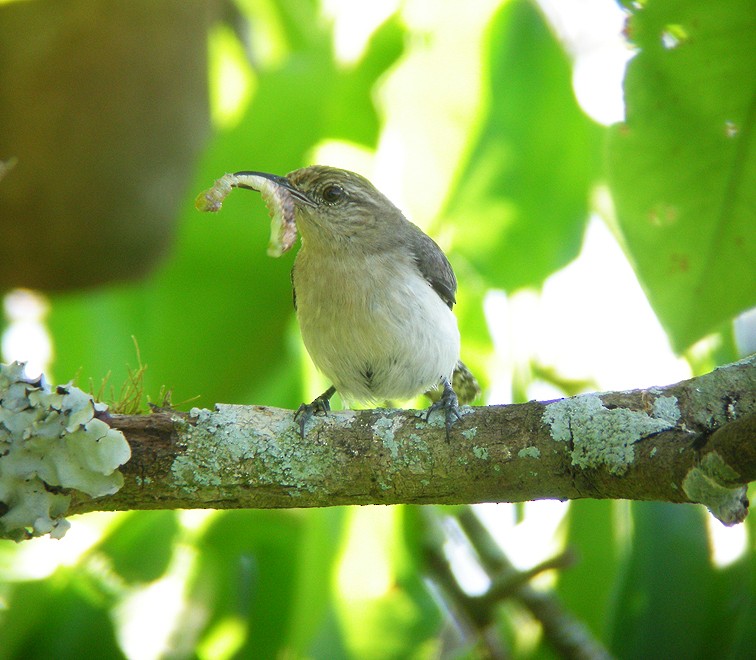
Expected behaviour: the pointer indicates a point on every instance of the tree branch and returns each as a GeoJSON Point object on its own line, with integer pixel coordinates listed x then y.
{"type": "Point", "coordinates": [688, 442]}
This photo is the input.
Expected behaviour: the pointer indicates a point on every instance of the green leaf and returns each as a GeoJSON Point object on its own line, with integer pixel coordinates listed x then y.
{"type": "Point", "coordinates": [247, 572]}
{"type": "Point", "coordinates": [349, 116]}
{"type": "Point", "coordinates": [682, 166]}
{"type": "Point", "coordinates": [741, 601]}
{"type": "Point", "coordinates": [210, 324]}
{"type": "Point", "coordinates": [730, 631]}
{"type": "Point", "coordinates": [271, 572]}
{"type": "Point", "coordinates": [521, 202]}
{"type": "Point", "coordinates": [586, 588]}
{"type": "Point", "coordinates": [671, 601]}
{"type": "Point", "coordinates": [141, 545]}
{"type": "Point", "coordinates": [323, 530]}
{"type": "Point", "coordinates": [400, 621]}
{"type": "Point", "coordinates": [60, 617]}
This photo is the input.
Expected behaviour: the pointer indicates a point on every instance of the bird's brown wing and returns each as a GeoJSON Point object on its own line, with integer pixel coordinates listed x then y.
{"type": "Point", "coordinates": [435, 268]}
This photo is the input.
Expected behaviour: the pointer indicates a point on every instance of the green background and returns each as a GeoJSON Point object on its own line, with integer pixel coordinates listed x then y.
{"type": "Point", "coordinates": [113, 111]}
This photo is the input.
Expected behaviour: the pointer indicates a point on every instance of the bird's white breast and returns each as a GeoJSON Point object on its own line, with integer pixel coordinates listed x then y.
{"type": "Point", "coordinates": [374, 325]}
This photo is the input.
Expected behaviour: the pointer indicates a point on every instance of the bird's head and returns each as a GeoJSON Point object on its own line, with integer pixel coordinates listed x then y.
{"type": "Point", "coordinates": [335, 208]}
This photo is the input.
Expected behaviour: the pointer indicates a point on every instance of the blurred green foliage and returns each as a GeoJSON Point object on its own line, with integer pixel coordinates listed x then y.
{"type": "Point", "coordinates": [214, 320]}
{"type": "Point", "coordinates": [534, 138]}
{"type": "Point", "coordinates": [682, 166]}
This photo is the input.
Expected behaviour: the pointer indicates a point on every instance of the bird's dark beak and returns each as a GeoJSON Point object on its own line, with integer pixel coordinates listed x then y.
{"type": "Point", "coordinates": [279, 180]}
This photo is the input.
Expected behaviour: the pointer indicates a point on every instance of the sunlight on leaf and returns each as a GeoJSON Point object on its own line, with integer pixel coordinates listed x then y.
{"type": "Point", "coordinates": [682, 166]}
{"type": "Point", "coordinates": [521, 201]}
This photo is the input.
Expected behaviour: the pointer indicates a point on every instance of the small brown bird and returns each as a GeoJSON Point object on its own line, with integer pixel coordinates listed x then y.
{"type": "Point", "coordinates": [373, 296]}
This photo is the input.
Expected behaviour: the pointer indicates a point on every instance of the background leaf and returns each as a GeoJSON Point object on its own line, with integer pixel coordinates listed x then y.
{"type": "Point", "coordinates": [587, 588]}
{"type": "Point", "coordinates": [521, 201]}
{"type": "Point", "coordinates": [141, 546]}
{"type": "Point", "coordinates": [64, 616]}
{"type": "Point", "coordinates": [268, 570]}
{"type": "Point", "coordinates": [671, 600]}
{"type": "Point", "coordinates": [682, 166]}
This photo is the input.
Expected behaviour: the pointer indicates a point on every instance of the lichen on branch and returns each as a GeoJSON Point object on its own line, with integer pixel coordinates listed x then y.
{"type": "Point", "coordinates": [52, 442]}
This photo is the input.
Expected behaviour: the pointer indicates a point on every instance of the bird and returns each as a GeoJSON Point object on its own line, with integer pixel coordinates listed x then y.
{"type": "Point", "coordinates": [373, 296]}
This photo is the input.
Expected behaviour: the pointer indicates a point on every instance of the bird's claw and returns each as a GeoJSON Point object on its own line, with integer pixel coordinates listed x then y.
{"type": "Point", "coordinates": [449, 404]}
{"type": "Point", "coordinates": [320, 406]}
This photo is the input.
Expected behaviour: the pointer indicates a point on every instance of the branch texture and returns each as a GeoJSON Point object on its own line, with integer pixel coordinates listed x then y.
{"type": "Point", "coordinates": [688, 442]}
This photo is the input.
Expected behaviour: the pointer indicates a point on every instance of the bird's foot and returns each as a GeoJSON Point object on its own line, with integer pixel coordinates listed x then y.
{"type": "Point", "coordinates": [320, 406]}
{"type": "Point", "coordinates": [449, 404]}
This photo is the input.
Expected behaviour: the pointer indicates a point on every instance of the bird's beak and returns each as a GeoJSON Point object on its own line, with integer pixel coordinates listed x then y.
{"type": "Point", "coordinates": [278, 180]}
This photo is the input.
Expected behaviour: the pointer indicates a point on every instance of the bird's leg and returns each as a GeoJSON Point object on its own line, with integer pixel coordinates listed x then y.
{"type": "Point", "coordinates": [449, 404]}
{"type": "Point", "coordinates": [320, 406]}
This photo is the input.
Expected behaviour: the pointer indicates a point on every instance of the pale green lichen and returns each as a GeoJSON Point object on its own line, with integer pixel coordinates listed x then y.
{"type": "Point", "coordinates": [469, 434]}
{"type": "Point", "coordinates": [388, 430]}
{"type": "Point", "coordinates": [385, 430]}
{"type": "Point", "coordinates": [251, 453]}
{"type": "Point", "coordinates": [666, 409]}
{"type": "Point", "coordinates": [529, 452]}
{"type": "Point", "coordinates": [51, 442]}
{"type": "Point", "coordinates": [606, 437]}
{"type": "Point", "coordinates": [710, 483]}
{"type": "Point", "coordinates": [481, 453]}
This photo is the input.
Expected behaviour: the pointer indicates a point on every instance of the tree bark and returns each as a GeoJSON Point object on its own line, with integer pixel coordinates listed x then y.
{"type": "Point", "coordinates": [688, 442]}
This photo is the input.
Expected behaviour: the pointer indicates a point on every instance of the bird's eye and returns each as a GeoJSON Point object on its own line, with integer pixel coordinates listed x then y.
{"type": "Point", "coordinates": [332, 193]}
